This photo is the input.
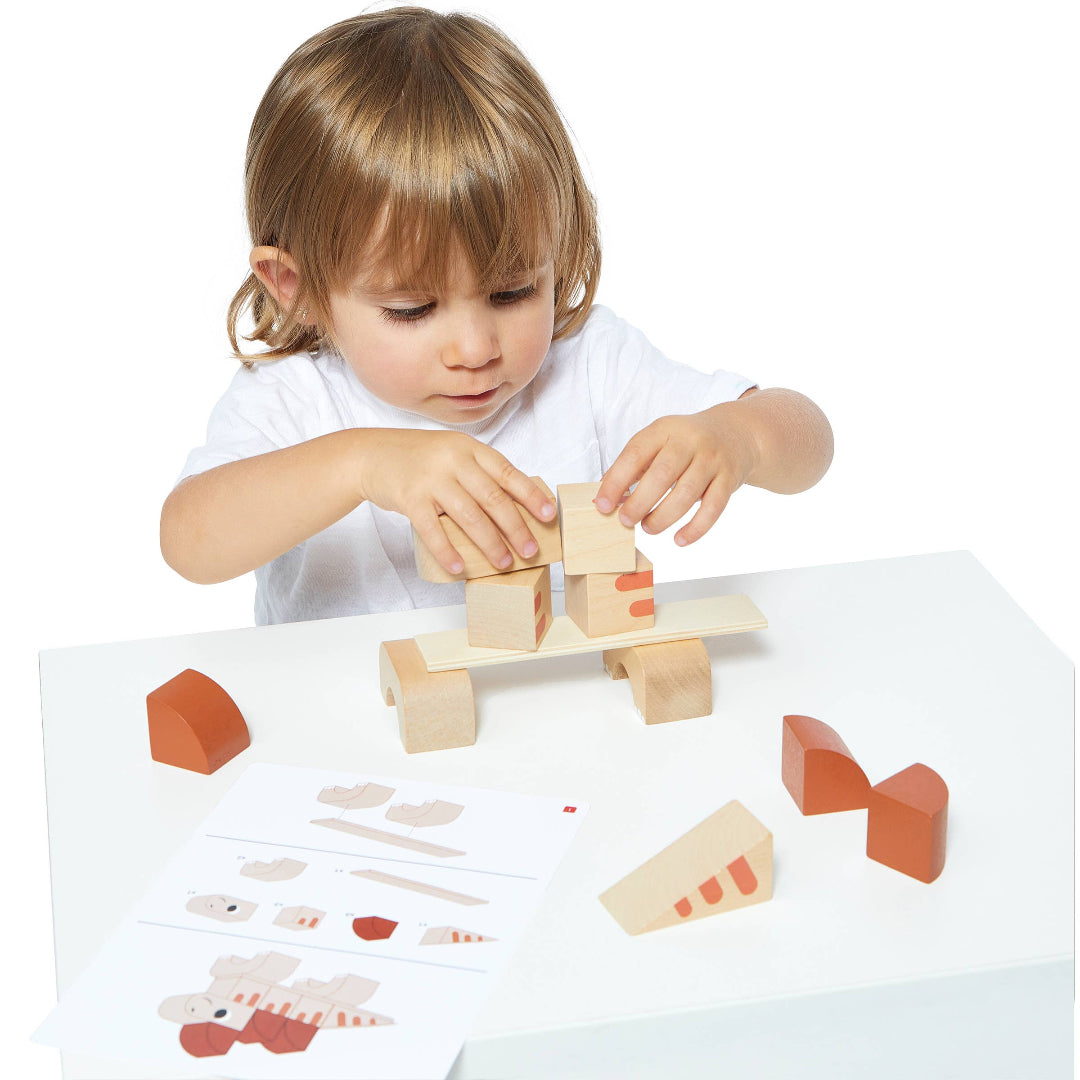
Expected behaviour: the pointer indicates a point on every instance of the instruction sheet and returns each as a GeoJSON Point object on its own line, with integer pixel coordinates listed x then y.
{"type": "Point", "coordinates": [321, 924]}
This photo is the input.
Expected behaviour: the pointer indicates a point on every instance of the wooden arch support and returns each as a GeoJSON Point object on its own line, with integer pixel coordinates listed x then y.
{"type": "Point", "coordinates": [670, 680]}
{"type": "Point", "coordinates": [435, 709]}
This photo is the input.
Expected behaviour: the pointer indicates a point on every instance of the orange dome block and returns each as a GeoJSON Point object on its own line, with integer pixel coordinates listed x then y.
{"type": "Point", "coordinates": [194, 724]}
{"type": "Point", "coordinates": [818, 770]}
{"type": "Point", "coordinates": [907, 822]}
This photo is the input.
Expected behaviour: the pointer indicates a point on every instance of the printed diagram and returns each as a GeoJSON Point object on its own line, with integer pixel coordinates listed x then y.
{"type": "Point", "coordinates": [278, 870]}
{"type": "Point", "coordinates": [417, 886]}
{"type": "Point", "coordinates": [299, 918]}
{"type": "Point", "coordinates": [360, 797]}
{"type": "Point", "coordinates": [368, 796]}
{"type": "Point", "coordinates": [247, 1002]}
{"type": "Point", "coordinates": [223, 908]}
{"type": "Point", "coordinates": [452, 935]}
{"type": "Point", "coordinates": [373, 927]}
{"type": "Point", "coordinates": [433, 812]}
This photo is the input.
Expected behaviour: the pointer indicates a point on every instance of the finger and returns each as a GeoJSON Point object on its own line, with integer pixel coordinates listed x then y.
{"type": "Point", "coordinates": [688, 489]}
{"type": "Point", "coordinates": [430, 530]}
{"type": "Point", "coordinates": [713, 504]}
{"type": "Point", "coordinates": [661, 475]}
{"type": "Point", "coordinates": [637, 455]}
{"type": "Point", "coordinates": [479, 528]}
{"type": "Point", "coordinates": [522, 488]}
{"type": "Point", "coordinates": [501, 509]}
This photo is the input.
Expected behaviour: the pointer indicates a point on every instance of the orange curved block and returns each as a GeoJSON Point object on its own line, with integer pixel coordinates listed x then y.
{"type": "Point", "coordinates": [819, 770]}
{"type": "Point", "coordinates": [908, 821]}
{"type": "Point", "coordinates": [194, 724]}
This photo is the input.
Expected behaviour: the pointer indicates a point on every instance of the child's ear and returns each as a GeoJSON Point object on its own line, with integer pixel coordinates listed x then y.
{"type": "Point", "coordinates": [277, 271]}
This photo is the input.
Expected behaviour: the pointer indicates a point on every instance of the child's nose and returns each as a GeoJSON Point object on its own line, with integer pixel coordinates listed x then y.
{"type": "Point", "coordinates": [472, 343]}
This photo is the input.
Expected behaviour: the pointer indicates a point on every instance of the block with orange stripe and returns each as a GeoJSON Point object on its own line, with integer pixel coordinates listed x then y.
{"type": "Point", "coordinates": [509, 611]}
{"type": "Point", "coordinates": [723, 863]}
{"type": "Point", "coordinates": [611, 603]}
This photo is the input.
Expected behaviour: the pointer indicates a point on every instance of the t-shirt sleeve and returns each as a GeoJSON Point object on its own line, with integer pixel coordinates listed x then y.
{"type": "Point", "coordinates": [632, 383]}
{"type": "Point", "coordinates": [260, 411]}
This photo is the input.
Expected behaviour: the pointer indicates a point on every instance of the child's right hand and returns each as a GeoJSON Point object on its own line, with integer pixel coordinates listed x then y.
{"type": "Point", "coordinates": [423, 474]}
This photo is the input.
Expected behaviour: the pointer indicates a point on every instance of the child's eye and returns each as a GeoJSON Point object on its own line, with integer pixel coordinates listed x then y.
{"type": "Point", "coordinates": [514, 296]}
{"type": "Point", "coordinates": [406, 315]}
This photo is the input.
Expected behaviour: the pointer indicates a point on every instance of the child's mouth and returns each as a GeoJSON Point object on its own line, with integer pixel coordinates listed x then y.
{"type": "Point", "coordinates": [471, 401]}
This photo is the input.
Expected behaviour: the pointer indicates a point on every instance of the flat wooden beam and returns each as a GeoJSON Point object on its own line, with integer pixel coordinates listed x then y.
{"type": "Point", "coordinates": [448, 650]}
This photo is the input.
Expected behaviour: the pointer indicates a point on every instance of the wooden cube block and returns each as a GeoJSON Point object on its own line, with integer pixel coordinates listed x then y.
{"type": "Point", "coordinates": [546, 534]}
{"type": "Point", "coordinates": [611, 603]}
{"type": "Point", "coordinates": [723, 863]}
{"type": "Point", "coordinates": [593, 543]}
{"type": "Point", "coordinates": [509, 611]}
{"type": "Point", "coordinates": [818, 770]}
{"type": "Point", "coordinates": [194, 724]}
{"type": "Point", "coordinates": [907, 822]}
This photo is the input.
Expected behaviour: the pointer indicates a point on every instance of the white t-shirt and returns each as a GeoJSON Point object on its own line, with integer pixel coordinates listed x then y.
{"type": "Point", "coordinates": [593, 392]}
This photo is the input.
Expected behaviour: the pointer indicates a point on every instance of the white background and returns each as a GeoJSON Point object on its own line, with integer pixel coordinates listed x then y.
{"type": "Point", "coordinates": [872, 202]}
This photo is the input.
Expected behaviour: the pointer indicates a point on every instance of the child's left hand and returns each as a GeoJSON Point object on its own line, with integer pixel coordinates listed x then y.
{"type": "Point", "coordinates": [677, 461]}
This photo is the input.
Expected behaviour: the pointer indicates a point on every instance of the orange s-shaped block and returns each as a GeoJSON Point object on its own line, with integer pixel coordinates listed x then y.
{"type": "Point", "coordinates": [194, 724]}
{"type": "Point", "coordinates": [907, 822]}
{"type": "Point", "coordinates": [818, 770]}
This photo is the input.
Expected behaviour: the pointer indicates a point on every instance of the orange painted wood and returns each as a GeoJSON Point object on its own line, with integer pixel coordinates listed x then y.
{"type": "Point", "coordinates": [194, 724]}
{"type": "Point", "coordinates": [819, 770]}
{"type": "Point", "coordinates": [907, 822]}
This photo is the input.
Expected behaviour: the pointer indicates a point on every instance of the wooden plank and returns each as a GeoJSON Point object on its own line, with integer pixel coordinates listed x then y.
{"type": "Point", "coordinates": [708, 616]}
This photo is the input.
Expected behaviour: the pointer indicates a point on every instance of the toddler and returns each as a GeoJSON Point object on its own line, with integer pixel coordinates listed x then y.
{"type": "Point", "coordinates": [424, 264]}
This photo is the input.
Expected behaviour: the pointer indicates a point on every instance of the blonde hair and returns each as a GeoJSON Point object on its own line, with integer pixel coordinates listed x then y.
{"type": "Point", "coordinates": [390, 140]}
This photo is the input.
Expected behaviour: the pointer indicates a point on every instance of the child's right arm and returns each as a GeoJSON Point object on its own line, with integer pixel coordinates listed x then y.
{"type": "Point", "coordinates": [230, 519]}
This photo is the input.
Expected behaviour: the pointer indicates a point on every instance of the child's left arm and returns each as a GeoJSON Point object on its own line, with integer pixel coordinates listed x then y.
{"type": "Point", "coordinates": [775, 439]}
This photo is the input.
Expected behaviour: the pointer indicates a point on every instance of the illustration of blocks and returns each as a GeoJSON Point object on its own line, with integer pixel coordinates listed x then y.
{"type": "Point", "coordinates": [194, 724]}
{"type": "Point", "coordinates": [299, 918]}
{"type": "Point", "coordinates": [603, 604]}
{"type": "Point", "coordinates": [546, 534]}
{"type": "Point", "coordinates": [723, 863]}
{"type": "Point", "coordinates": [819, 770]}
{"type": "Point", "coordinates": [907, 822]}
{"type": "Point", "coordinates": [593, 543]}
{"type": "Point", "coordinates": [509, 611]}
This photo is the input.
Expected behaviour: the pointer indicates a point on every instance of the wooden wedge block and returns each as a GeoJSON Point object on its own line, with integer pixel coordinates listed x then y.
{"type": "Point", "coordinates": [194, 724]}
{"type": "Point", "coordinates": [435, 709]}
{"type": "Point", "coordinates": [907, 822]}
{"type": "Point", "coordinates": [723, 863]}
{"type": "Point", "coordinates": [509, 611]}
{"type": "Point", "coordinates": [819, 771]}
{"type": "Point", "coordinates": [592, 543]}
{"type": "Point", "coordinates": [603, 604]}
{"type": "Point", "coordinates": [671, 680]}
{"type": "Point", "coordinates": [546, 534]}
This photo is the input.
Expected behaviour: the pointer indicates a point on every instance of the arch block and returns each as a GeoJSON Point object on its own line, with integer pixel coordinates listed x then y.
{"type": "Point", "coordinates": [818, 769]}
{"type": "Point", "coordinates": [908, 821]}
{"type": "Point", "coordinates": [194, 724]}
{"type": "Point", "coordinates": [435, 709]}
{"type": "Point", "coordinates": [670, 680]}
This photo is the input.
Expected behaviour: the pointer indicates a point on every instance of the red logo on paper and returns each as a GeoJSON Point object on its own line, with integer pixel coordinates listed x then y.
{"type": "Point", "coordinates": [569, 809]}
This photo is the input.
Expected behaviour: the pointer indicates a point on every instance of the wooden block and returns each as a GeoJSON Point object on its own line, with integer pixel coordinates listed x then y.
{"type": "Point", "coordinates": [603, 604]}
{"type": "Point", "coordinates": [435, 710]}
{"type": "Point", "coordinates": [706, 616]}
{"type": "Point", "coordinates": [907, 822]}
{"type": "Point", "coordinates": [818, 770]}
{"type": "Point", "coordinates": [509, 611]}
{"type": "Point", "coordinates": [194, 724]}
{"type": "Point", "coordinates": [546, 534]}
{"type": "Point", "coordinates": [592, 543]}
{"type": "Point", "coordinates": [723, 863]}
{"type": "Point", "coordinates": [671, 680]}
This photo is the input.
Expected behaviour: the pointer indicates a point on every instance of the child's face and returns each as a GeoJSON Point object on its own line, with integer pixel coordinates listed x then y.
{"type": "Point", "coordinates": [456, 357]}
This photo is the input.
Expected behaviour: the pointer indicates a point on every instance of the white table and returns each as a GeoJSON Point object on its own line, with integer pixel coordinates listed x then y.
{"type": "Point", "coordinates": [851, 970]}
